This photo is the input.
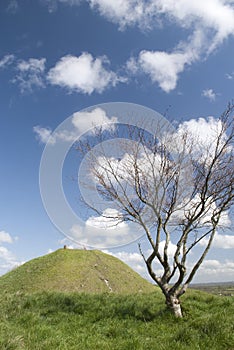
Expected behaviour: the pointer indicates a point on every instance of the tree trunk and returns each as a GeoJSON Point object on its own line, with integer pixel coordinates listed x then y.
{"type": "Point", "coordinates": [173, 304]}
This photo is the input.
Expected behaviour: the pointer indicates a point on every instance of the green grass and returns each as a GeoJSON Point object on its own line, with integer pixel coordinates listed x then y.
{"type": "Point", "coordinates": [61, 301]}
{"type": "Point", "coordinates": [52, 320]}
{"type": "Point", "coordinates": [225, 289]}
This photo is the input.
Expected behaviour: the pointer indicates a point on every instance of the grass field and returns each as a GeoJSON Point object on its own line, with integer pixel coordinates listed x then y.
{"type": "Point", "coordinates": [225, 289]}
{"type": "Point", "coordinates": [88, 300]}
{"type": "Point", "coordinates": [73, 321]}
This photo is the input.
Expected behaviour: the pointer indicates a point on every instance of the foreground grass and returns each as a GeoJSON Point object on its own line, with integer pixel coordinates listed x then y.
{"type": "Point", "coordinates": [49, 320]}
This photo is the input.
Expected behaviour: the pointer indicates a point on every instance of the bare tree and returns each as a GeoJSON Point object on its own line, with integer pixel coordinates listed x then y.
{"type": "Point", "coordinates": [178, 189]}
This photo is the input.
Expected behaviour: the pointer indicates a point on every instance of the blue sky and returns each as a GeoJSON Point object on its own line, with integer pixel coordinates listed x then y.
{"type": "Point", "coordinates": [58, 57]}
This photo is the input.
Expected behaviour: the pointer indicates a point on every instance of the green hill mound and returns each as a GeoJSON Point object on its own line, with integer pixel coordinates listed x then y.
{"type": "Point", "coordinates": [65, 270]}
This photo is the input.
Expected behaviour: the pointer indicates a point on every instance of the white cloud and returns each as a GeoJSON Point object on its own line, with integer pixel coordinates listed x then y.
{"type": "Point", "coordinates": [6, 61]}
{"type": "Point", "coordinates": [205, 220]}
{"type": "Point", "coordinates": [43, 134]}
{"type": "Point", "coordinates": [216, 15]}
{"type": "Point", "coordinates": [84, 74]}
{"type": "Point", "coordinates": [110, 219]}
{"type": "Point", "coordinates": [162, 67]}
{"type": "Point", "coordinates": [7, 259]}
{"type": "Point", "coordinates": [203, 135]}
{"type": "Point", "coordinates": [220, 241]}
{"type": "Point", "coordinates": [203, 129]}
{"type": "Point", "coordinates": [126, 13]}
{"type": "Point", "coordinates": [82, 122]}
{"type": "Point", "coordinates": [208, 24]}
{"type": "Point", "coordinates": [5, 254]}
{"type": "Point", "coordinates": [215, 271]}
{"type": "Point", "coordinates": [210, 94]}
{"type": "Point", "coordinates": [30, 74]}
{"type": "Point", "coordinates": [5, 237]}
{"type": "Point", "coordinates": [171, 248]}
{"type": "Point", "coordinates": [208, 28]}
{"type": "Point", "coordinates": [101, 232]}
{"type": "Point", "coordinates": [87, 120]}
{"type": "Point", "coordinates": [33, 65]}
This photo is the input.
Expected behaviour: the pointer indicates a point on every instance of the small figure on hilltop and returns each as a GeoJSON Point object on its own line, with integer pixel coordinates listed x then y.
{"type": "Point", "coordinates": [65, 247]}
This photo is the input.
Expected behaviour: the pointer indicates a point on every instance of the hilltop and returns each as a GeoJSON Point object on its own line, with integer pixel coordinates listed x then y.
{"type": "Point", "coordinates": [68, 270]}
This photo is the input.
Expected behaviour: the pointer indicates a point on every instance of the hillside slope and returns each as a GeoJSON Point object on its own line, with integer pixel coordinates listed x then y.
{"type": "Point", "coordinates": [66, 270]}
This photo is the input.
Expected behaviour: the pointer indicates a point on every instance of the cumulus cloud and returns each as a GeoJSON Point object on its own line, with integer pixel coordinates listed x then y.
{"type": "Point", "coordinates": [82, 122]}
{"type": "Point", "coordinates": [44, 135]}
{"type": "Point", "coordinates": [5, 237]}
{"type": "Point", "coordinates": [213, 15]}
{"type": "Point", "coordinates": [6, 61]}
{"type": "Point", "coordinates": [216, 16]}
{"type": "Point", "coordinates": [162, 67]}
{"type": "Point", "coordinates": [171, 248]}
{"type": "Point", "coordinates": [220, 241]}
{"type": "Point", "coordinates": [30, 74]}
{"type": "Point", "coordinates": [203, 133]}
{"type": "Point", "coordinates": [84, 74]}
{"type": "Point", "coordinates": [192, 206]}
{"type": "Point", "coordinates": [110, 219]}
{"type": "Point", "coordinates": [207, 25]}
{"type": "Point", "coordinates": [118, 172]}
{"type": "Point", "coordinates": [47, 136]}
{"type": "Point", "coordinates": [6, 256]}
{"type": "Point", "coordinates": [126, 13]}
{"type": "Point", "coordinates": [215, 271]}
{"type": "Point", "coordinates": [87, 120]}
{"type": "Point", "coordinates": [210, 94]}
{"type": "Point", "coordinates": [103, 231]}
{"type": "Point", "coordinates": [7, 259]}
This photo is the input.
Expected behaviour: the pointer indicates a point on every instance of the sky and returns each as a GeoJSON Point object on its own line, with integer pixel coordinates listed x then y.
{"type": "Point", "coordinates": [59, 57]}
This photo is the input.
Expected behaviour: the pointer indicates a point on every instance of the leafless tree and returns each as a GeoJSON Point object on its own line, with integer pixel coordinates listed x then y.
{"type": "Point", "coordinates": [178, 189]}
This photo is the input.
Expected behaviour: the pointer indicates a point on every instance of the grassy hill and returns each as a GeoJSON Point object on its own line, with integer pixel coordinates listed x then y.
{"type": "Point", "coordinates": [66, 270]}
{"type": "Point", "coordinates": [41, 309]}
